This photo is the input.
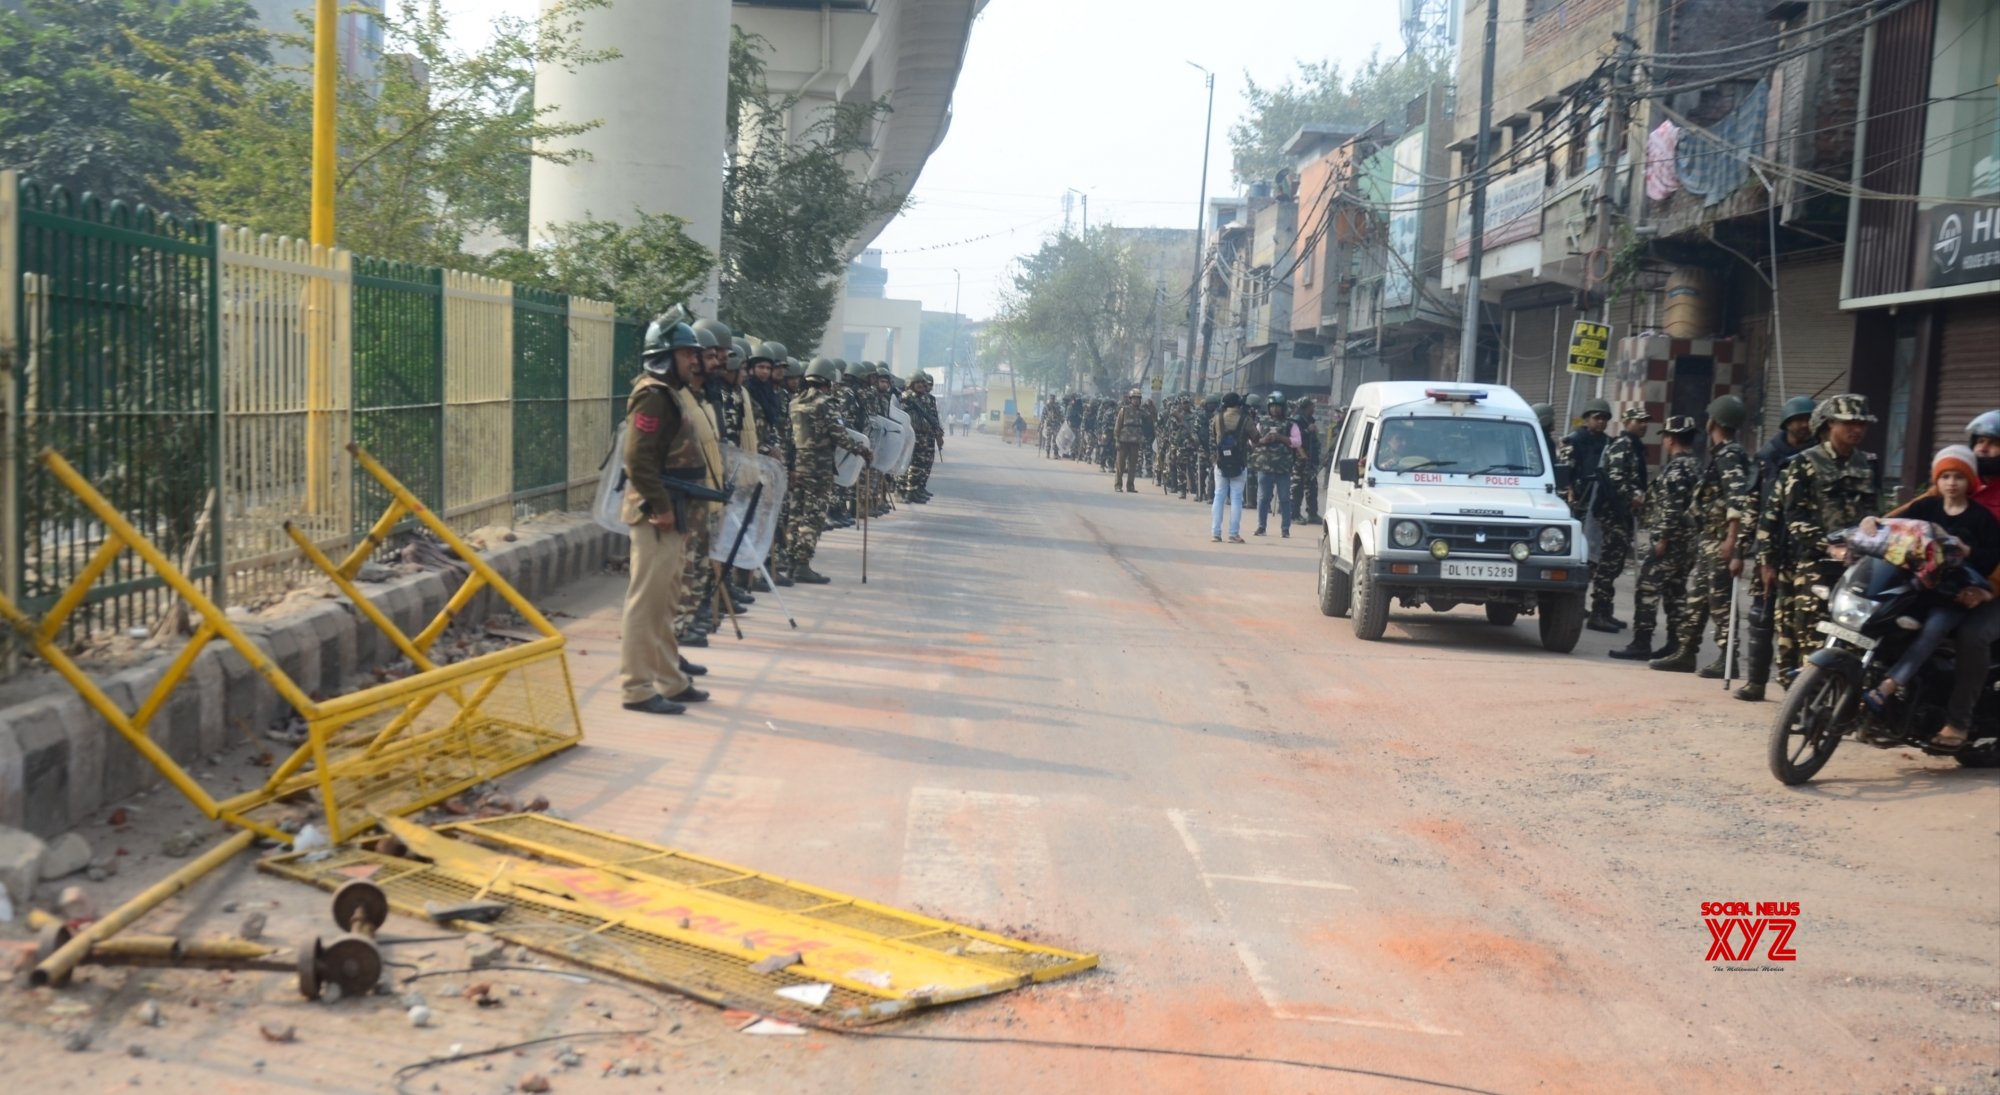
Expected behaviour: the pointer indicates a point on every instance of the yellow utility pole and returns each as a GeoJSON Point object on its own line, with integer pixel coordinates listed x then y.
{"type": "Point", "coordinates": [320, 340]}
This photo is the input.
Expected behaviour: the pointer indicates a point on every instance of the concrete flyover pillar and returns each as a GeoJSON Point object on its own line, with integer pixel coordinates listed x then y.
{"type": "Point", "coordinates": [661, 103]}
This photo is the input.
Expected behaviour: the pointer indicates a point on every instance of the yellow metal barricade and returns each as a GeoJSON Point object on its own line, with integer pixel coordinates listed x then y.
{"type": "Point", "coordinates": [384, 751]}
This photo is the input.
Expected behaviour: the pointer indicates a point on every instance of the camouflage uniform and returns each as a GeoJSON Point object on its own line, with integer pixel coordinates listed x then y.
{"type": "Point", "coordinates": [1817, 493]}
{"type": "Point", "coordinates": [698, 576]}
{"type": "Point", "coordinates": [1128, 433]}
{"type": "Point", "coordinates": [818, 428]}
{"type": "Point", "coordinates": [1722, 496]}
{"type": "Point", "coordinates": [923, 412]}
{"type": "Point", "coordinates": [1663, 576]}
{"type": "Point", "coordinates": [1623, 487]}
{"type": "Point", "coordinates": [1305, 478]}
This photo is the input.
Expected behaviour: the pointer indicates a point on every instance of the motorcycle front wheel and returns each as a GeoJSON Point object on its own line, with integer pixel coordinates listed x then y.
{"type": "Point", "coordinates": [1808, 727]}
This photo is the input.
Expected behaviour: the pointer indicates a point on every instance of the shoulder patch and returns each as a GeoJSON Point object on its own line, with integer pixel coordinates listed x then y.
{"type": "Point", "coordinates": [646, 423]}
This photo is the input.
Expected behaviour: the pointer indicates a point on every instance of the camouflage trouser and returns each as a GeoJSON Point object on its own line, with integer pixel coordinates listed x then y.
{"type": "Point", "coordinates": [1305, 498]}
{"type": "Point", "coordinates": [698, 575]}
{"type": "Point", "coordinates": [1662, 580]}
{"type": "Point", "coordinates": [1709, 586]}
{"type": "Point", "coordinates": [780, 559]}
{"type": "Point", "coordinates": [1614, 548]}
{"type": "Point", "coordinates": [919, 475]}
{"type": "Point", "coordinates": [810, 494]}
{"type": "Point", "coordinates": [1795, 616]}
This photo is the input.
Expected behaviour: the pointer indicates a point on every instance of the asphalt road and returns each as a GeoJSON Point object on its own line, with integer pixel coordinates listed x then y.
{"type": "Point", "coordinates": [1445, 861]}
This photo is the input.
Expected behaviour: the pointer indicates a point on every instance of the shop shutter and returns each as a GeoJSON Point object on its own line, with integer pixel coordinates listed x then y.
{"type": "Point", "coordinates": [1529, 354]}
{"type": "Point", "coordinates": [1968, 375]}
{"type": "Point", "coordinates": [1819, 341]}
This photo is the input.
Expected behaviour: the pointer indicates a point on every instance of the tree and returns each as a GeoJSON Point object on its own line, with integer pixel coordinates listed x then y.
{"type": "Point", "coordinates": [1320, 93]}
{"type": "Point", "coordinates": [934, 341]}
{"type": "Point", "coordinates": [69, 74]}
{"type": "Point", "coordinates": [1078, 310]}
{"type": "Point", "coordinates": [640, 267]}
{"type": "Point", "coordinates": [791, 205]}
{"type": "Point", "coordinates": [435, 140]}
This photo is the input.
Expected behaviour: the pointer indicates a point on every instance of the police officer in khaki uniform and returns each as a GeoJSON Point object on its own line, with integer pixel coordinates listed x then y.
{"type": "Point", "coordinates": [662, 447]}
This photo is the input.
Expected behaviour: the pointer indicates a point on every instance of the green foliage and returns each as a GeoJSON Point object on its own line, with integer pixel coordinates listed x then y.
{"type": "Point", "coordinates": [640, 267]}
{"type": "Point", "coordinates": [1321, 93]}
{"type": "Point", "coordinates": [934, 341]}
{"type": "Point", "coordinates": [70, 71]}
{"type": "Point", "coordinates": [435, 148]}
{"type": "Point", "coordinates": [1077, 311]}
{"type": "Point", "coordinates": [790, 204]}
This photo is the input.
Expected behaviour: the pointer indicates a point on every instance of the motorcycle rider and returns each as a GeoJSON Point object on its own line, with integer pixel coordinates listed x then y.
{"type": "Point", "coordinates": [1980, 629]}
{"type": "Point", "coordinates": [1949, 507]}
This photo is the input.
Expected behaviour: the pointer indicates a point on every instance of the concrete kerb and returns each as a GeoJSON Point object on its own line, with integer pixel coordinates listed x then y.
{"type": "Point", "coordinates": [60, 763]}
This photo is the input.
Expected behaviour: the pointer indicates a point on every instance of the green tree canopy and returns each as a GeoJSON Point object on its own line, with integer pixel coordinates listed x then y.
{"type": "Point", "coordinates": [1078, 311]}
{"type": "Point", "coordinates": [791, 204]}
{"type": "Point", "coordinates": [434, 143]}
{"type": "Point", "coordinates": [70, 71]}
{"type": "Point", "coordinates": [1321, 93]}
{"type": "Point", "coordinates": [641, 267]}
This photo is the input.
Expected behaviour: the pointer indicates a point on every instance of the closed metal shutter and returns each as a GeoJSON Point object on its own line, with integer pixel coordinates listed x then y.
{"type": "Point", "coordinates": [1819, 342]}
{"type": "Point", "coordinates": [1530, 352]}
{"type": "Point", "coordinates": [1968, 375]}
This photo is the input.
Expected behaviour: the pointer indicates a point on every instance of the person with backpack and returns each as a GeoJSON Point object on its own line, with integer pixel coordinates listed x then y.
{"type": "Point", "coordinates": [1230, 435]}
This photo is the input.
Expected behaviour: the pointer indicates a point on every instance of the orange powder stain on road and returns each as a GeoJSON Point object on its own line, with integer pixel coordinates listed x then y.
{"type": "Point", "coordinates": [1469, 951]}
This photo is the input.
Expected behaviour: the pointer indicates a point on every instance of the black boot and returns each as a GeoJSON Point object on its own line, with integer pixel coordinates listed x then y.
{"type": "Point", "coordinates": [1640, 649]}
{"type": "Point", "coordinates": [1600, 620]}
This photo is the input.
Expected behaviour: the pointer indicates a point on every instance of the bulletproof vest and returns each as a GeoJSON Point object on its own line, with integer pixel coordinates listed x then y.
{"type": "Point", "coordinates": [1843, 493]}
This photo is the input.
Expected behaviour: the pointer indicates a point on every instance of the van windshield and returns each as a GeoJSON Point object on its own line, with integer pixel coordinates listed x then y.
{"type": "Point", "coordinates": [1459, 446]}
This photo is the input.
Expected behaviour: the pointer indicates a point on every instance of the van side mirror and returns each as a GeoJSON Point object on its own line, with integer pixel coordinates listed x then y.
{"type": "Point", "coordinates": [1350, 470]}
{"type": "Point", "coordinates": [1562, 476]}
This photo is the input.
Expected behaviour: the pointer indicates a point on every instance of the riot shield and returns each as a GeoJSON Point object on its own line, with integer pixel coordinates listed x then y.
{"type": "Point", "coordinates": [747, 472]}
{"type": "Point", "coordinates": [847, 465]}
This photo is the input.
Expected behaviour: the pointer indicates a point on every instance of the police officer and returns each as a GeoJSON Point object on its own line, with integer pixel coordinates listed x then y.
{"type": "Point", "coordinates": [1546, 415]}
{"type": "Point", "coordinates": [1721, 507]}
{"type": "Point", "coordinates": [818, 428]}
{"type": "Point", "coordinates": [1794, 437]}
{"type": "Point", "coordinates": [1667, 542]}
{"type": "Point", "coordinates": [1128, 432]}
{"type": "Point", "coordinates": [1305, 478]}
{"type": "Point", "coordinates": [1828, 487]}
{"type": "Point", "coordinates": [664, 444]}
{"type": "Point", "coordinates": [1621, 495]}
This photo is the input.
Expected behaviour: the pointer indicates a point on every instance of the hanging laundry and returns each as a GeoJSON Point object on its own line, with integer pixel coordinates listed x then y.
{"type": "Point", "coordinates": [1662, 176]}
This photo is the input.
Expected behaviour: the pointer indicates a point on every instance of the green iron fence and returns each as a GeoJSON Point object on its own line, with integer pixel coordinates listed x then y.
{"type": "Point", "coordinates": [116, 309]}
{"type": "Point", "coordinates": [399, 380]}
{"type": "Point", "coordinates": [541, 398]}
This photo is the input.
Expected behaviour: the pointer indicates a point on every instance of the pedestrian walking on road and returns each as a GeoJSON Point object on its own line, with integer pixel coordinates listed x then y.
{"type": "Point", "coordinates": [1020, 429]}
{"type": "Point", "coordinates": [1229, 444]}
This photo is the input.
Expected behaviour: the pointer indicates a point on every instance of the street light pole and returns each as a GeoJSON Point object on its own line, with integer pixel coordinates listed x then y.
{"type": "Point", "coordinates": [1200, 232]}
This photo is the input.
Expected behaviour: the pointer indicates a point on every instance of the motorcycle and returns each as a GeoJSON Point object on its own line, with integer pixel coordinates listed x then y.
{"type": "Point", "coordinates": [1873, 615]}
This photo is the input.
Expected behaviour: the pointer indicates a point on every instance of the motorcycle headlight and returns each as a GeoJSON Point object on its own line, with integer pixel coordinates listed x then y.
{"type": "Point", "coordinates": [1553, 540]}
{"type": "Point", "coordinates": [1405, 534]}
{"type": "Point", "coordinates": [1849, 608]}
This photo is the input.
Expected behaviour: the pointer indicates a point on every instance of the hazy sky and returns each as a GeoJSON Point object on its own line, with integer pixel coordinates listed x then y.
{"type": "Point", "coordinates": [1095, 95]}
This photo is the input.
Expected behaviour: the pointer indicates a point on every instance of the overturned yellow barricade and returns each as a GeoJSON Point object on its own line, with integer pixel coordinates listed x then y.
{"type": "Point", "coordinates": [709, 929]}
{"type": "Point", "coordinates": [387, 750]}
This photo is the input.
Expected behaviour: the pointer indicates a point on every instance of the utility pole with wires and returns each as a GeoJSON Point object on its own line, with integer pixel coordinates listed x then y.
{"type": "Point", "coordinates": [1617, 103]}
{"type": "Point", "coordinates": [1475, 254]}
{"type": "Point", "coordinates": [1200, 232]}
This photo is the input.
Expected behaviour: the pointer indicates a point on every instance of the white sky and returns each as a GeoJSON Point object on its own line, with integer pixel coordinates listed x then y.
{"type": "Point", "coordinates": [1095, 95]}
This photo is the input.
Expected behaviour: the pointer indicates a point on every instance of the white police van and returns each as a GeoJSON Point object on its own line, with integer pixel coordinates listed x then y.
{"type": "Point", "coordinates": [1440, 495]}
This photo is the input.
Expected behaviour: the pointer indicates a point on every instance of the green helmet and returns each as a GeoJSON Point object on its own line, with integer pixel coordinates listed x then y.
{"type": "Point", "coordinates": [1278, 398]}
{"type": "Point", "coordinates": [1595, 406]}
{"type": "Point", "coordinates": [705, 337]}
{"type": "Point", "coordinates": [882, 369]}
{"type": "Point", "coordinates": [1256, 401]}
{"type": "Point", "coordinates": [793, 369]}
{"type": "Point", "coordinates": [822, 368]}
{"type": "Point", "coordinates": [1798, 406]}
{"type": "Point", "coordinates": [1211, 400]}
{"type": "Point", "coordinates": [717, 329]}
{"type": "Point", "coordinates": [1545, 413]}
{"type": "Point", "coordinates": [665, 336]}
{"type": "Point", "coordinates": [1848, 407]}
{"type": "Point", "coordinates": [768, 351]}
{"type": "Point", "coordinates": [895, 383]}
{"type": "Point", "coordinates": [860, 370]}
{"type": "Point", "coordinates": [1728, 412]}
{"type": "Point", "coordinates": [739, 352]}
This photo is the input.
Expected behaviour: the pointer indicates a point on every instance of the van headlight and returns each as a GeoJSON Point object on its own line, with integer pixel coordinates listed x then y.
{"type": "Point", "coordinates": [1849, 608]}
{"type": "Point", "coordinates": [1553, 540]}
{"type": "Point", "coordinates": [1405, 534]}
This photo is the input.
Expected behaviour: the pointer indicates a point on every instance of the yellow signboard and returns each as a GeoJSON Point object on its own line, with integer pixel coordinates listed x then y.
{"type": "Point", "coordinates": [1588, 343]}
{"type": "Point", "coordinates": [1156, 383]}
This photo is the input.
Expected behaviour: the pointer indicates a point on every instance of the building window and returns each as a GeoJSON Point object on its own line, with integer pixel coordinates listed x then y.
{"type": "Point", "coordinates": [1962, 141]}
{"type": "Point", "coordinates": [1312, 257]}
{"type": "Point", "coordinates": [1539, 8]}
